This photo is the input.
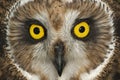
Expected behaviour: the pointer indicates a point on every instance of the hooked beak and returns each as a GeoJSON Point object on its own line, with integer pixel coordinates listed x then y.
{"type": "Point", "coordinates": [59, 61]}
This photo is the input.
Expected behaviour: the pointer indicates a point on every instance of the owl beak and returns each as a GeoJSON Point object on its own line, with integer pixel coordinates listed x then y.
{"type": "Point", "coordinates": [59, 61]}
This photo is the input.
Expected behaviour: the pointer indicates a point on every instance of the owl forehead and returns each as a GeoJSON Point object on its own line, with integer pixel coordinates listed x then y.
{"type": "Point", "coordinates": [56, 12]}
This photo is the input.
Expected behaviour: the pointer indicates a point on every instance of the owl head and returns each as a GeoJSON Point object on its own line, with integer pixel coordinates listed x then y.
{"type": "Point", "coordinates": [59, 38]}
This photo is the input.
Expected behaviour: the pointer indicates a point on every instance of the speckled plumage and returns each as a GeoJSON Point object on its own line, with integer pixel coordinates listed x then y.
{"type": "Point", "coordinates": [49, 16]}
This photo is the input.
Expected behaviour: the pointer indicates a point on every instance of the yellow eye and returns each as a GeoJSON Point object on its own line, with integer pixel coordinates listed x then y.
{"type": "Point", "coordinates": [36, 31]}
{"type": "Point", "coordinates": [81, 30]}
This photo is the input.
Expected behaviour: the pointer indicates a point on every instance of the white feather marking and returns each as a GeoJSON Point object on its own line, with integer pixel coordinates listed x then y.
{"type": "Point", "coordinates": [67, 1]}
{"type": "Point", "coordinates": [26, 74]}
{"type": "Point", "coordinates": [15, 6]}
{"type": "Point", "coordinates": [104, 6]}
{"type": "Point", "coordinates": [22, 2]}
{"type": "Point", "coordinates": [42, 17]}
{"type": "Point", "coordinates": [42, 63]}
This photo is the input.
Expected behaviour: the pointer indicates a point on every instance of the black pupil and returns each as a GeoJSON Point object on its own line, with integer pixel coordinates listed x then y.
{"type": "Point", "coordinates": [36, 30]}
{"type": "Point", "coordinates": [82, 29]}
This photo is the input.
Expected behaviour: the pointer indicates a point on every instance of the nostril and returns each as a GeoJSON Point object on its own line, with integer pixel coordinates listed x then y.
{"type": "Point", "coordinates": [59, 47]}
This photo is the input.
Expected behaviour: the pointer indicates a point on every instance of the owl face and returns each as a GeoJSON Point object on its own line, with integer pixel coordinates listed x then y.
{"type": "Point", "coordinates": [59, 38]}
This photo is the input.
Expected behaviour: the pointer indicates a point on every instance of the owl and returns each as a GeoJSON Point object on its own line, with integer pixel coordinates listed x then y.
{"type": "Point", "coordinates": [62, 39]}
